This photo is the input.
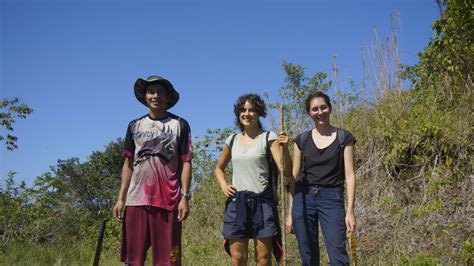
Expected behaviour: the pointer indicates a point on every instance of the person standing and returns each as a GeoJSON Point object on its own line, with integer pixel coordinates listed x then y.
{"type": "Point", "coordinates": [251, 208]}
{"type": "Point", "coordinates": [156, 177]}
{"type": "Point", "coordinates": [323, 161]}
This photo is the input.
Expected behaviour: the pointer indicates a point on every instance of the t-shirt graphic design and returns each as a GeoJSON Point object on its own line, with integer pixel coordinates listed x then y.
{"type": "Point", "coordinates": [159, 148]}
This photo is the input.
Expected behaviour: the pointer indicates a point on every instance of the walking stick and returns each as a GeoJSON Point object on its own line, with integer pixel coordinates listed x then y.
{"type": "Point", "coordinates": [352, 248]}
{"type": "Point", "coordinates": [99, 242]}
{"type": "Point", "coordinates": [283, 185]}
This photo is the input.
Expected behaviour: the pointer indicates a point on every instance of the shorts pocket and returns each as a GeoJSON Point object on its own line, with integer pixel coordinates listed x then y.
{"type": "Point", "coordinates": [230, 213]}
{"type": "Point", "coordinates": [269, 213]}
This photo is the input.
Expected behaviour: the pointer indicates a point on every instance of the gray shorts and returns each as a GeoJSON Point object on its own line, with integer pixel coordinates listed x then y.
{"type": "Point", "coordinates": [234, 232]}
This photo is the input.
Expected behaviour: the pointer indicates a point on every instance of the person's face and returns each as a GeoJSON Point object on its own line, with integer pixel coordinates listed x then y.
{"type": "Point", "coordinates": [248, 116]}
{"type": "Point", "coordinates": [157, 97]}
{"type": "Point", "coordinates": [319, 110]}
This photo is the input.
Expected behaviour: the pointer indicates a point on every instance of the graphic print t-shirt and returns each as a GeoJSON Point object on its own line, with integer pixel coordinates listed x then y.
{"type": "Point", "coordinates": [159, 148]}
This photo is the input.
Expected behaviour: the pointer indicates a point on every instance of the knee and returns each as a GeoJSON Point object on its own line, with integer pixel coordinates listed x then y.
{"type": "Point", "coordinates": [264, 259]}
{"type": "Point", "coordinates": [239, 258]}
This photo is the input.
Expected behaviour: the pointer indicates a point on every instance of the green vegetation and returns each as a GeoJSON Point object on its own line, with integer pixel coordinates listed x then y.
{"type": "Point", "coordinates": [8, 117]}
{"type": "Point", "coordinates": [414, 167]}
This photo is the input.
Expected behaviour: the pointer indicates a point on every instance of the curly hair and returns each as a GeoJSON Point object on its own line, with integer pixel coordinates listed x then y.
{"type": "Point", "coordinates": [256, 101]}
{"type": "Point", "coordinates": [316, 95]}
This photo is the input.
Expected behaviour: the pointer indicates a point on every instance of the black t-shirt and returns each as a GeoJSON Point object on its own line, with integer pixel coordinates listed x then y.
{"type": "Point", "coordinates": [322, 167]}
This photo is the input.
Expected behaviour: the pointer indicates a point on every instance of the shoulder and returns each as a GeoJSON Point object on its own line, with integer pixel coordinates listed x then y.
{"type": "Point", "coordinates": [132, 123]}
{"type": "Point", "coordinates": [302, 137]}
{"type": "Point", "coordinates": [229, 139]}
{"type": "Point", "coordinates": [182, 122]}
{"type": "Point", "coordinates": [345, 136]}
{"type": "Point", "coordinates": [271, 135]}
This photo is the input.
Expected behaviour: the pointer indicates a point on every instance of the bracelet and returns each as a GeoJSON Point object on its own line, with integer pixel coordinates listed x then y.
{"type": "Point", "coordinates": [185, 194]}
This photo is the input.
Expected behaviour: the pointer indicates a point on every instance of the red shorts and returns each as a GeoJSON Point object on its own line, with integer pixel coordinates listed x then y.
{"type": "Point", "coordinates": [144, 226]}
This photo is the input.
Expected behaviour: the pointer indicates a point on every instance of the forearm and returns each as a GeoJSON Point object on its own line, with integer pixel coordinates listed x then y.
{"type": "Point", "coordinates": [288, 163]}
{"type": "Point", "coordinates": [127, 170]}
{"type": "Point", "coordinates": [220, 177]}
{"type": "Point", "coordinates": [291, 193]}
{"type": "Point", "coordinates": [351, 188]}
{"type": "Point", "coordinates": [186, 177]}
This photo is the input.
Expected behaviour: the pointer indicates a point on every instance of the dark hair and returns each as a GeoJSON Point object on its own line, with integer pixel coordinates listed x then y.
{"type": "Point", "coordinates": [316, 95]}
{"type": "Point", "coordinates": [257, 103]}
{"type": "Point", "coordinates": [160, 83]}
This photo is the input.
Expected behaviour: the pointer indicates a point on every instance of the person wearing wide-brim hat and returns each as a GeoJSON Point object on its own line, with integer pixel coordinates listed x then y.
{"type": "Point", "coordinates": [141, 86]}
{"type": "Point", "coordinates": [156, 177]}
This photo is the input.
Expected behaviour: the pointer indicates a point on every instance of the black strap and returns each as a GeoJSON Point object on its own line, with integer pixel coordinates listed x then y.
{"type": "Point", "coordinates": [271, 174]}
{"type": "Point", "coordinates": [232, 143]}
{"type": "Point", "coordinates": [304, 139]}
{"type": "Point", "coordinates": [341, 136]}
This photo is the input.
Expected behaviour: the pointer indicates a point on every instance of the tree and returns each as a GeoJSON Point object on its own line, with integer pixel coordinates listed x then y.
{"type": "Point", "coordinates": [14, 110]}
{"type": "Point", "coordinates": [293, 96]}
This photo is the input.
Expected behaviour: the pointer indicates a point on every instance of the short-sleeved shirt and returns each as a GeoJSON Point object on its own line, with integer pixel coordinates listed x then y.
{"type": "Point", "coordinates": [159, 148]}
{"type": "Point", "coordinates": [249, 163]}
{"type": "Point", "coordinates": [322, 167]}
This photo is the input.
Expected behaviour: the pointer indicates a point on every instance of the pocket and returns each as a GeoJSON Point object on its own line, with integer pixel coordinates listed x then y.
{"type": "Point", "coordinates": [230, 213]}
{"type": "Point", "coordinates": [269, 213]}
{"type": "Point", "coordinates": [334, 195]}
{"type": "Point", "coordinates": [297, 209]}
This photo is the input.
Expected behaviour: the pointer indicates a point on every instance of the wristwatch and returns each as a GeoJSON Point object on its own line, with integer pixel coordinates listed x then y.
{"type": "Point", "coordinates": [185, 194]}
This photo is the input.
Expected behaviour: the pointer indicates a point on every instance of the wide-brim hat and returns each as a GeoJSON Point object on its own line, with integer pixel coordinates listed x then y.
{"type": "Point", "coordinates": [142, 84]}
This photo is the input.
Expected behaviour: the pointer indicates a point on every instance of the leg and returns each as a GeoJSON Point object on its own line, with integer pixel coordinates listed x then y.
{"type": "Point", "coordinates": [165, 235]}
{"type": "Point", "coordinates": [263, 251]}
{"type": "Point", "coordinates": [305, 225]}
{"type": "Point", "coordinates": [239, 252]}
{"type": "Point", "coordinates": [333, 226]}
{"type": "Point", "coordinates": [135, 236]}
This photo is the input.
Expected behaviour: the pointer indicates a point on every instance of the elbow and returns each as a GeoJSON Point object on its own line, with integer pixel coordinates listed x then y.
{"type": "Point", "coordinates": [351, 178]}
{"type": "Point", "coordinates": [295, 174]}
{"type": "Point", "coordinates": [218, 170]}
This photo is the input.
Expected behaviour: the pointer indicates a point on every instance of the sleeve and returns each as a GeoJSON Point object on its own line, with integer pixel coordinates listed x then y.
{"type": "Point", "coordinates": [272, 136]}
{"type": "Point", "coordinates": [350, 139]}
{"type": "Point", "coordinates": [228, 139]}
{"type": "Point", "coordinates": [297, 141]}
{"type": "Point", "coordinates": [129, 144]}
{"type": "Point", "coordinates": [185, 144]}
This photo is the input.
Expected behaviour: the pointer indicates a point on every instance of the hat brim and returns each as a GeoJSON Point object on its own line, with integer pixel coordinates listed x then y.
{"type": "Point", "coordinates": [142, 84]}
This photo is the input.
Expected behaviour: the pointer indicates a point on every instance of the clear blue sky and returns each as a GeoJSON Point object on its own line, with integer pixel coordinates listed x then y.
{"type": "Point", "coordinates": [75, 62]}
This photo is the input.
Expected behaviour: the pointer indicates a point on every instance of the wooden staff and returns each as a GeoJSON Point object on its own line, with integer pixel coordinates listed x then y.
{"type": "Point", "coordinates": [352, 248]}
{"type": "Point", "coordinates": [283, 186]}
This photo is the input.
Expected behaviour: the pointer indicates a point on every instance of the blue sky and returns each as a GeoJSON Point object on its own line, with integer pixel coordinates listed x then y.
{"type": "Point", "coordinates": [75, 62]}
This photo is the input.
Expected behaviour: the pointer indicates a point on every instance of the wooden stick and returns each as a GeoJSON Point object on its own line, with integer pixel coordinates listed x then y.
{"type": "Point", "coordinates": [283, 187]}
{"type": "Point", "coordinates": [352, 248]}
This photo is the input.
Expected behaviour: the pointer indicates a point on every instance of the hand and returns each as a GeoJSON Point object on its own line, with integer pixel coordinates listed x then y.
{"type": "Point", "coordinates": [283, 138]}
{"type": "Point", "coordinates": [289, 224]}
{"type": "Point", "coordinates": [118, 210]}
{"type": "Point", "coordinates": [183, 209]}
{"type": "Point", "coordinates": [350, 222]}
{"type": "Point", "coordinates": [229, 190]}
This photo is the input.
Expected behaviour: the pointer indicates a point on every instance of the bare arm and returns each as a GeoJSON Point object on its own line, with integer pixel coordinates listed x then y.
{"type": "Point", "coordinates": [351, 186]}
{"type": "Point", "coordinates": [183, 207]}
{"type": "Point", "coordinates": [296, 162]}
{"type": "Point", "coordinates": [228, 189]}
{"type": "Point", "coordinates": [296, 171]}
{"type": "Point", "coordinates": [127, 170]}
{"type": "Point", "coordinates": [275, 150]}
